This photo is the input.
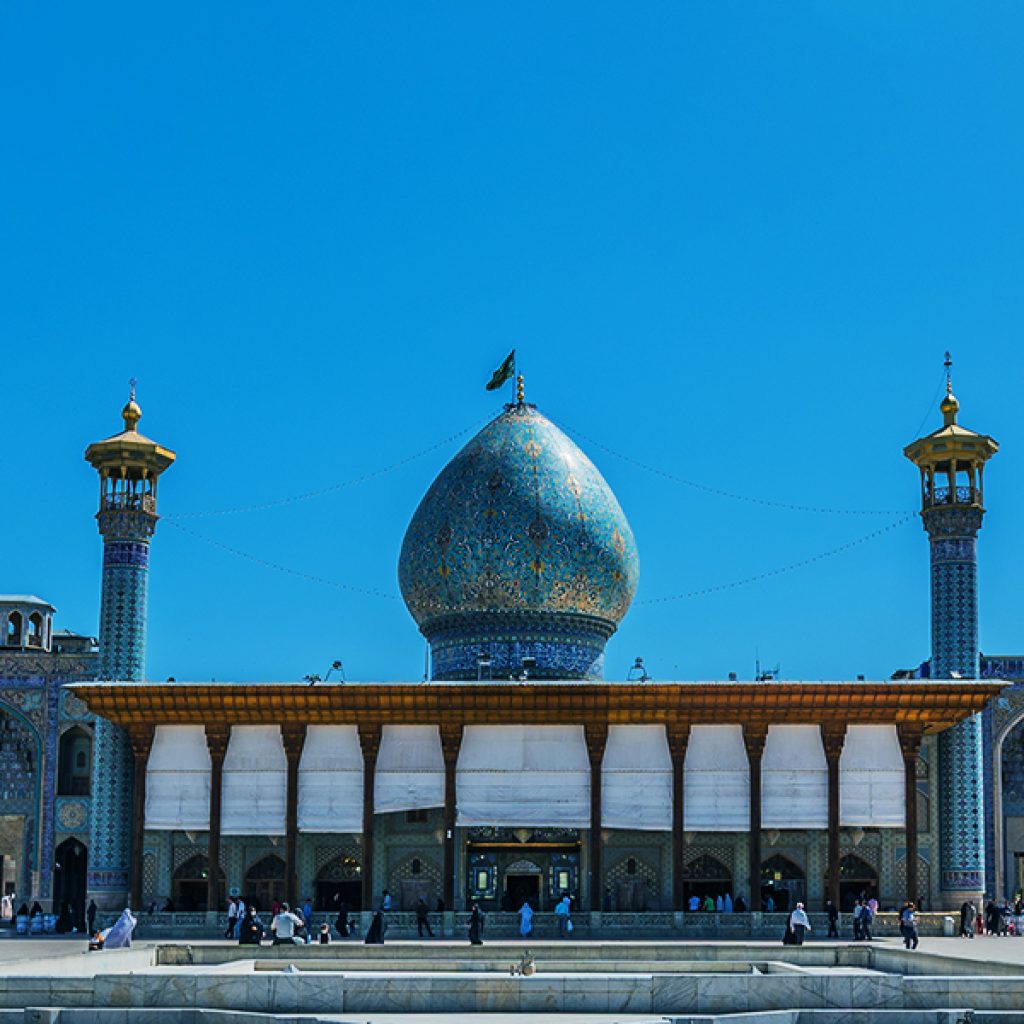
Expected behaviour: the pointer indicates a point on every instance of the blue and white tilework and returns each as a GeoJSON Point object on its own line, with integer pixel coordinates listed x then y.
{"type": "Point", "coordinates": [519, 550]}
{"type": "Point", "coordinates": [954, 589]}
{"type": "Point", "coordinates": [122, 657]}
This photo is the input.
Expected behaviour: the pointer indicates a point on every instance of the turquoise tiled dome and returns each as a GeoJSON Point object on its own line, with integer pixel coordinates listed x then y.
{"type": "Point", "coordinates": [519, 550]}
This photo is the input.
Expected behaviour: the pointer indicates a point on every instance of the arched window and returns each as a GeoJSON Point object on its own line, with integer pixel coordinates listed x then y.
{"type": "Point", "coordinates": [35, 630]}
{"type": "Point", "coordinates": [14, 623]}
{"type": "Point", "coordinates": [74, 763]}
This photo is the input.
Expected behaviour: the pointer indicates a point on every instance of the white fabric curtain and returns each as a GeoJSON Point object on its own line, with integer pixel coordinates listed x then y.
{"type": "Point", "coordinates": [255, 782]}
{"type": "Point", "coordinates": [871, 778]}
{"type": "Point", "coordinates": [410, 769]}
{"type": "Point", "coordinates": [178, 779]}
{"type": "Point", "coordinates": [331, 780]}
{"type": "Point", "coordinates": [716, 780]}
{"type": "Point", "coordinates": [523, 775]}
{"type": "Point", "coordinates": [794, 778]}
{"type": "Point", "coordinates": [636, 779]}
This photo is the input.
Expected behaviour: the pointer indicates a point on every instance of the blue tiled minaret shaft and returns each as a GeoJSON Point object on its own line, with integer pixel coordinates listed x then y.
{"type": "Point", "coordinates": [954, 585]}
{"type": "Point", "coordinates": [952, 461]}
{"type": "Point", "coordinates": [129, 466]}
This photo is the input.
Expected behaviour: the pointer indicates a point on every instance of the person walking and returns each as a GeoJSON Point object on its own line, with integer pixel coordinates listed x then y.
{"type": "Point", "coordinates": [866, 918]}
{"type": "Point", "coordinates": [476, 926]}
{"type": "Point", "coordinates": [832, 911]}
{"type": "Point", "coordinates": [385, 903]}
{"type": "Point", "coordinates": [90, 918]}
{"type": "Point", "coordinates": [423, 918]}
{"type": "Point", "coordinates": [967, 915]}
{"type": "Point", "coordinates": [307, 919]}
{"type": "Point", "coordinates": [562, 915]}
{"type": "Point", "coordinates": [375, 933]}
{"type": "Point", "coordinates": [525, 919]}
{"type": "Point", "coordinates": [229, 931]}
{"type": "Point", "coordinates": [858, 921]}
{"type": "Point", "coordinates": [908, 925]}
{"type": "Point", "coordinates": [799, 924]}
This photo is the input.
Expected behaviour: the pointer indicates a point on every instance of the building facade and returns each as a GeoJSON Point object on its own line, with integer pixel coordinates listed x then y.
{"type": "Point", "coordinates": [516, 772]}
{"type": "Point", "coordinates": [46, 740]}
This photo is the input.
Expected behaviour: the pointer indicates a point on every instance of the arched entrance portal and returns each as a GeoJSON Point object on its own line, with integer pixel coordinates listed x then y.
{"type": "Point", "coordinates": [783, 882]}
{"type": "Point", "coordinates": [190, 885]}
{"type": "Point", "coordinates": [339, 885]}
{"type": "Point", "coordinates": [856, 878]}
{"type": "Point", "coordinates": [705, 876]}
{"type": "Point", "coordinates": [70, 863]}
{"type": "Point", "coordinates": [265, 882]}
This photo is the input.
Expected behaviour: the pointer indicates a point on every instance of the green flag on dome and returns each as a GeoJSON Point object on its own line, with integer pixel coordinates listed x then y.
{"type": "Point", "coordinates": [503, 373]}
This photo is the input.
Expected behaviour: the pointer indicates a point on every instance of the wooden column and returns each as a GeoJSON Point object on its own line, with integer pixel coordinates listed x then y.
{"type": "Point", "coordinates": [217, 737]}
{"type": "Point", "coordinates": [910, 745]}
{"type": "Point", "coordinates": [451, 743]}
{"type": "Point", "coordinates": [678, 738]}
{"type": "Point", "coordinates": [753, 738]}
{"type": "Point", "coordinates": [293, 737]}
{"type": "Point", "coordinates": [832, 737]}
{"type": "Point", "coordinates": [369, 740]}
{"type": "Point", "coordinates": [596, 734]}
{"type": "Point", "coordinates": [141, 737]}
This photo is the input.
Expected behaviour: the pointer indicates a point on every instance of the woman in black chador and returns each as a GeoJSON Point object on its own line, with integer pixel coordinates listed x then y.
{"type": "Point", "coordinates": [476, 926]}
{"type": "Point", "coordinates": [375, 934]}
{"type": "Point", "coordinates": [250, 932]}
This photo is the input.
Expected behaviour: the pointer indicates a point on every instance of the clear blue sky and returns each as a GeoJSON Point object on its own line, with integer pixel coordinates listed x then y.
{"type": "Point", "coordinates": [731, 240]}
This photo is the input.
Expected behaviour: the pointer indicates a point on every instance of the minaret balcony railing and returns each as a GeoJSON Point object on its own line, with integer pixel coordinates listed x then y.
{"type": "Point", "coordinates": [120, 502]}
{"type": "Point", "coordinates": [961, 495]}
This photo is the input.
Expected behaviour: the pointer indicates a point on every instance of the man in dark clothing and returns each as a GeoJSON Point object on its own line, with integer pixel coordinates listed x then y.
{"type": "Point", "coordinates": [90, 918]}
{"type": "Point", "coordinates": [833, 919]}
{"type": "Point", "coordinates": [422, 918]}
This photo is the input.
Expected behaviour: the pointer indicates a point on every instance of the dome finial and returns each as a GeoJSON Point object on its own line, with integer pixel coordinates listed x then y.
{"type": "Point", "coordinates": [949, 406]}
{"type": "Point", "coordinates": [520, 390]}
{"type": "Point", "coordinates": [131, 413]}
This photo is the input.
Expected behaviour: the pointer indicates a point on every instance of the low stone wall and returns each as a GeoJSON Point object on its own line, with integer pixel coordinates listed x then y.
{"type": "Point", "coordinates": [402, 925]}
{"type": "Point", "coordinates": [669, 994]}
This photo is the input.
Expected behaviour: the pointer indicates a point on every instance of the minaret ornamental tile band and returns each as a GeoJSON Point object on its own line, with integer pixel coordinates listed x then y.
{"type": "Point", "coordinates": [952, 464]}
{"type": "Point", "coordinates": [129, 466]}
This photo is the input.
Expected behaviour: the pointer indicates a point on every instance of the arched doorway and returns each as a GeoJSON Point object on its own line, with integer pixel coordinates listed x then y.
{"type": "Point", "coordinates": [705, 876]}
{"type": "Point", "coordinates": [856, 878]}
{"type": "Point", "coordinates": [70, 864]}
{"type": "Point", "coordinates": [783, 882]}
{"type": "Point", "coordinates": [1009, 809]}
{"type": "Point", "coordinates": [265, 882]}
{"type": "Point", "coordinates": [339, 882]}
{"type": "Point", "coordinates": [190, 885]}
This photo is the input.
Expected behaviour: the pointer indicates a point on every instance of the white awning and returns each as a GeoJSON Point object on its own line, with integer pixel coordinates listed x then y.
{"type": "Point", "coordinates": [523, 775]}
{"type": "Point", "coordinates": [410, 769]}
{"type": "Point", "coordinates": [178, 779]}
{"type": "Point", "coordinates": [716, 780]}
{"type": "Point", "coordinates": [255, 782]}
{"type": "Point", "coordinates": [794, 778]}
{"type": "Point", "coordinates": [871, 778]}
{"type": "Point", "coordinates": [636, 779]}
{"type": "Point", "coordinates": [331, 780]}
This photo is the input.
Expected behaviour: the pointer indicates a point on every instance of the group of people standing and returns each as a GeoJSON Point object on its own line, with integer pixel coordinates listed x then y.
{"type": "Point", "coordinates": [997, 918]}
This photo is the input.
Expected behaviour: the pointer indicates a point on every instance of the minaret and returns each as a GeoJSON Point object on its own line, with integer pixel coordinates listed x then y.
{"type": "Point", "coordinates": [952, 464]}
{"type": "Point", "coordinates": [129, 466]}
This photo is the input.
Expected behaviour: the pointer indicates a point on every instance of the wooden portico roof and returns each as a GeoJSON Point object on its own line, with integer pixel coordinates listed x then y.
{"type": "Point", "coordinates": [925, 705]}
